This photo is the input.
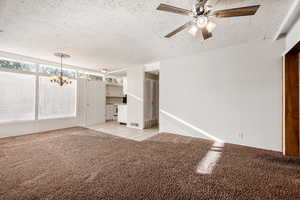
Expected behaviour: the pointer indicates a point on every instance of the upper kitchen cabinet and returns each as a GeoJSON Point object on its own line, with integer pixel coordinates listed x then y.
{"type": "Point", "coordinates": [114, 90]}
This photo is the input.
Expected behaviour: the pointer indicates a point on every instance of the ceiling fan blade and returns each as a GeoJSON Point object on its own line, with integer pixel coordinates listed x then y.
{"type": "Point", "coordinates": [236, 12]}
{"type": "Point", "coordinates": [181, 28]}
{"type": "Point", "coordinates": [176, 10]}
{"type": "Point", "coordinates": [206, 34]}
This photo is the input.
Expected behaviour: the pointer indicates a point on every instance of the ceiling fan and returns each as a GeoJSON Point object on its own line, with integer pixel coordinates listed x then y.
{"type": "Point", "coordinates": [201, 17]}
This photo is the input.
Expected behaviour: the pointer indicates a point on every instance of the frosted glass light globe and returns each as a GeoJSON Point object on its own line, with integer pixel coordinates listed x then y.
{"type": "Point", "coordinates": [202, 21]}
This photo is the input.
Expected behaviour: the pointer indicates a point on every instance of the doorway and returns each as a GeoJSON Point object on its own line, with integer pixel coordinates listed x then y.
{"type": "Point", "coordinates": [151, 99]}
{"type": "Point", "coordinates": [291, 136]}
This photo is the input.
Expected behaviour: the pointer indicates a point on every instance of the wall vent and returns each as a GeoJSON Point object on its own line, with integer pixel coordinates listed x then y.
{"type": "Point", "coordinates": [134, 124]}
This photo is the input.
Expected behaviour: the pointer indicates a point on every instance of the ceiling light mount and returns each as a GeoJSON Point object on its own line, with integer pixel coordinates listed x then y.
{"type": "Point", "coordinates": [62, 55]}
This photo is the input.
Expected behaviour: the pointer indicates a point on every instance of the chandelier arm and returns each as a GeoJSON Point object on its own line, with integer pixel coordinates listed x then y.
{"type": "Point", "coordinates": [61, 72]}
{"type": "Point", "coordinates": [61, 66]}
{"type": "Point", "coordinates": [60, 79]}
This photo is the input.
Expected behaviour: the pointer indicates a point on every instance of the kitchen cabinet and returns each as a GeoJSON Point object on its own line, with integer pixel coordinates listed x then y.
{"type": "Point", "coordinates": [114, 91]}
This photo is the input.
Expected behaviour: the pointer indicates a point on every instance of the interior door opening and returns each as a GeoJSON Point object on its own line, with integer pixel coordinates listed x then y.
{"type": "Point", "coordinates": [151, 99]}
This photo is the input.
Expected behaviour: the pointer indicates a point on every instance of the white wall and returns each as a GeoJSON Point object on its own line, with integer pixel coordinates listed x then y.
{"type": "Point", "coordinates": [135, 93]}
{"type": "Point", "coordinates": [293, 36]}
{"type": "Point", "coordinates": [232, 94]}
{"type": "Point", "coordinates": [95, 97]}
{"type": "Point", "coordinates": [81, 101]}
{"type": "Point", "coordinates": [21, 128]}
{"type": "Point", "coordinates": [152, 66]}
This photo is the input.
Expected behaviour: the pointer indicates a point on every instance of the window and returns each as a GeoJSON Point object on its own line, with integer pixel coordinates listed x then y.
{"type": "Point", "coordinates": [17, 100]}
{"type": "Point", "coordinates": [108, 80]}
{"type": "Point", "coordinates": [113, 80]}
{"type": "Point", "coordinates": [89, 76]}
{"type": "Point", "coordinates": [18, 91]}
{"type": "Point", "coordinates": [10, 64]}
{"type": "Point", "coordinates": [56, 101]}
{"type": "Point", "coordinates": [51, 70]}
{"type": "Point", "coordinates": [94, 77]}
{"type": "Point", "coordinates": [81, 75]}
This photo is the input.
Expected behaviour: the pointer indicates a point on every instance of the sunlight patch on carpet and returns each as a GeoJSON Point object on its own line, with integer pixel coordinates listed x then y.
{"type": "Point", "coordinates": [208, 163]}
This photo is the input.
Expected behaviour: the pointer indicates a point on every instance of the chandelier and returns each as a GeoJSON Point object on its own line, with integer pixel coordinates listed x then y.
{"type": "Point", "coordinates": [61, 79]}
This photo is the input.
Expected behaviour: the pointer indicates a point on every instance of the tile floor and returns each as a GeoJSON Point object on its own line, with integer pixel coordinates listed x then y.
{"type": "Point", "coordinates": [114, 128]}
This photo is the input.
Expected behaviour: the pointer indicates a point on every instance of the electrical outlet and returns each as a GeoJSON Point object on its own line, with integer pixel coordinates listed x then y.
{"type": "Point", "coordinates": [241, 135]}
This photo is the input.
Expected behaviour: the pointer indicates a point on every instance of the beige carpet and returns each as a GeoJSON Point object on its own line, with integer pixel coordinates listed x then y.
{"type": "Point", "coordinates": [78, 163]}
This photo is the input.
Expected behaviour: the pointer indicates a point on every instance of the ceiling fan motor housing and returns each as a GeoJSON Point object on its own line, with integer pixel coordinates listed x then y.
{"type": "Point", "coordinates": [199, 8]}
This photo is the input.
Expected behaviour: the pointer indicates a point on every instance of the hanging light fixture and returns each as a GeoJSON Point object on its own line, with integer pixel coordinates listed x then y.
{"type": "Point", "coordinates": [104, 71]}
{"type": "Point", "coordinates": [61, 79]}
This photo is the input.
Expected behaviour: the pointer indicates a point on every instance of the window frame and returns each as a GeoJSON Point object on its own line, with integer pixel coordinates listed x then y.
{"type": "Point", "coordinates": [37, 99]}
{"type": "Point", "coordinates": [37, 74]}
{"type": "Point", "coordinates": [37, 63]}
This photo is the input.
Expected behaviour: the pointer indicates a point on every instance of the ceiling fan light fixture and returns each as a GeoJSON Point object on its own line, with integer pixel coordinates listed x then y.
{"type": "Point", "coordinates": [193, 30]}
{"type": "Point", "coordinates": [210, 26]}
{"type": "Point", "coordinates": [202, 21]}
{"type": "Point", "coordinates": [202, 13]}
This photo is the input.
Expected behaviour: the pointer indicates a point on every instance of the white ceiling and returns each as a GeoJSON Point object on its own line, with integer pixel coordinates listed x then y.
{"type": "Point", "coordinates": [122, 33]}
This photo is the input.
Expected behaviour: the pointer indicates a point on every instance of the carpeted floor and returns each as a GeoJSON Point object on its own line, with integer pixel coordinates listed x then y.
{"type": "Point", "coordinates": [79, 163]}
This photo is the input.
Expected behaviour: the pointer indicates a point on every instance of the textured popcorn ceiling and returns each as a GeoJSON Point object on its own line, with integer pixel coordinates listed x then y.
{"type": "Point", "coordinates": [122, 33]}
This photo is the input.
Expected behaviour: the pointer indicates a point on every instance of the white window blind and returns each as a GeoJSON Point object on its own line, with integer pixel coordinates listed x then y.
{"type": "Point", "coordinates": [17, 100]}
{"type": "Point", "coordinates": [56, 101]}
